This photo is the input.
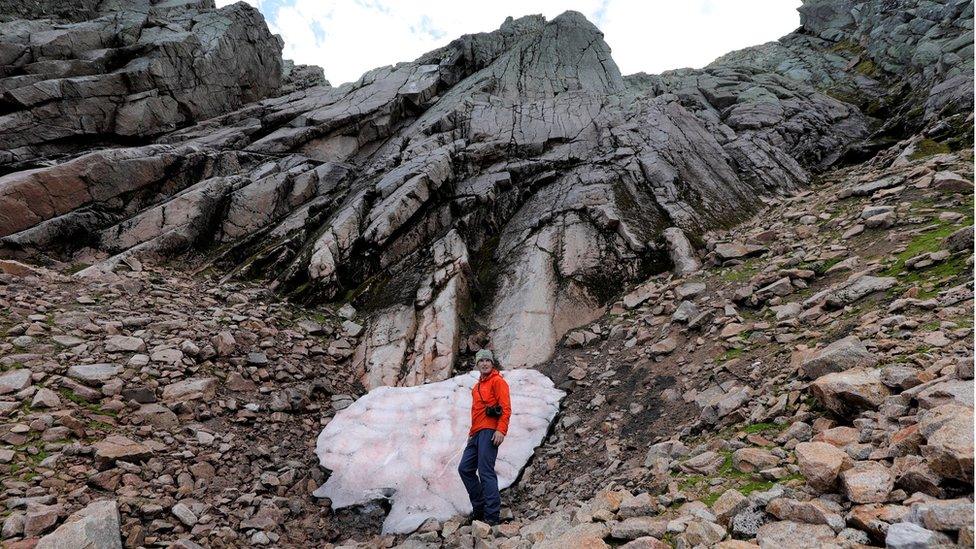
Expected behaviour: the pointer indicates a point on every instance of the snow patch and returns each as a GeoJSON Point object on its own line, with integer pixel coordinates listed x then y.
{"type": "Point", "coordinates": [404, 444]}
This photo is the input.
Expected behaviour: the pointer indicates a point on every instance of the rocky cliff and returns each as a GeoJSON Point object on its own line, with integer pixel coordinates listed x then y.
{"type": "Point", "coordinates": [504, 191]}
{"type": "Point", "coordinates": [511, 180]}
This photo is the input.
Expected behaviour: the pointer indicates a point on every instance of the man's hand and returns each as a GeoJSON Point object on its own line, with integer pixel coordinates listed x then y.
{"type": "Point", "coordinates": [497, 438]}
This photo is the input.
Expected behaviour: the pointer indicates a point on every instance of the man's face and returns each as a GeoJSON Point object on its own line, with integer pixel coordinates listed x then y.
{"type": "Point", "coordinates": [484, 366]}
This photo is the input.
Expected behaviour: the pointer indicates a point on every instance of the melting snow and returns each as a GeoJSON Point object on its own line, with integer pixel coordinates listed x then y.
{"type": "Point", "coordinates": [404, 444]}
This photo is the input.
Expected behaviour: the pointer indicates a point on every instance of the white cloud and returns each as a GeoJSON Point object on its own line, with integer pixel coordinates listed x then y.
{"type": "Point", "coordinates": [349, 37]}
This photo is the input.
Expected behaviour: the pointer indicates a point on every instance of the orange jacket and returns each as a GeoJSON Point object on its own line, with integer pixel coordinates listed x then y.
{"type": "Point", "coordinates": [494, 390]}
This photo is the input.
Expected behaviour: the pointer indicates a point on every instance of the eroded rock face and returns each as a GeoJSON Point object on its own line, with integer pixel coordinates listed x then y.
{"type": "Point", "coordinates": [135, 70]}
{"type": "Point", "coordinates": [404, 444]}
{"type": "Point", "coordinates": [512, 180]}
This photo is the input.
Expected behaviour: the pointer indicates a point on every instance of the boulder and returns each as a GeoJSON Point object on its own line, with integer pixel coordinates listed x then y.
{"type": "Point", "coordinates": [960, 241]}
{"type": "Point", "coordinates": [157, 415]}
{"type": "Point", "coordinates": [685, 312]}
{"type": "Point", "coordinates": [840, 355]}
{"type": "Point", "coordinates": [14, 380]}
{"type": "Point", "coordinates": [635, 506]}
{"type": "Point", "coordinates": [875, 518]}
{"type": "Point", "coordinates": [752, 460]}
{"type": "Point", "coordinates": [664, 347]}
{"type": "Point", "coordinates": [689, 290]}
{"type": "Point", "coordinates": [737, 250]}
{"type": "Point", "coordinates": [45, 398]}
{"type": "Point", "coordinates": [857, 289]}
{"type": "Point", "coordinates": [94, 374]}
{"type": "Point", "coordinates": [645, 542]}
{"type": "Point", "coordinates": [637, 527]}
{"type": "Point", "coordinates": [948, 434]}
{"type": "Point", "coordinates": [722, 406]}
{"type": "Point", "coordinates": [905, 535]}
{"type": "Point", "coordinates": [809, 512]}
{"type": "Point", "coordinates": [746, 523]}
{"type": "Point", "coordinates": [682, 254]}
{"type": "Point", "coordinates": [821, 463]}
{"type": "Point", "coordinates": [867, 482]}
{"type": "Point", "coordinates": [948, 515]}
{"type": "Point", "coordinates": [952, 182]}
{"type": "Point", "coordinates": [913, 474]}
{"type": "Point", "coordinates": [955, 391]}
{"type": "Point", "coordinates": [40, 518]}
{"type": "Point", "coordinates": [785, 533]}
{"type": "Point", "coordinates": [850, 392]}
{"type": "Point", "coordinates": [124, 344]}
{"type": "Point", "coordinates": [119, 448]}
{"type": "Point", "coordinates": [96, 526]}
{"type": "Point", "coordinates": [586, 536]}
{"type": "Point", "coordinates": [705, 463]}
{"type": "Point", "coordinates": [190, 389]}
{"type": "Point", "coordinates": [702, 533]}
{"type": "Point", "coordinates": [728, 505]}
{"type": "Point", "coordinates": [840, 437]}
{"type": "Point", "coordinates": [898, 376]}
{"type": "Point", "coordinates": [224, 343]}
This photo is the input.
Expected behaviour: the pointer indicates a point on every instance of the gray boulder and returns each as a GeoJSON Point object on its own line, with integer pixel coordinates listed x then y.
{"type": "Point", "coordinates": [840, 355]}
{"type": "Point", "coordinates": [906, 535]}
{"type": "Point", "coordinates": [680, 250]}
{"type": "Point", "coordinates": [96, 526]}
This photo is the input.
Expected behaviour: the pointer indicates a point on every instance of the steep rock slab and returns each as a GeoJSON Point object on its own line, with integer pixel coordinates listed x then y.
{"type": "Point", "coordinates": [404, 444]}
{"type": "Point", "coordinates": [415, 343]}
{"type": "Point", "coordinates": [133, 72]}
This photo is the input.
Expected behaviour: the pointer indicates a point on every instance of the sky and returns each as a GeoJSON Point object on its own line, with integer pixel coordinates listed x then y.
{"type": "Point", "coordinates": [349, 37]}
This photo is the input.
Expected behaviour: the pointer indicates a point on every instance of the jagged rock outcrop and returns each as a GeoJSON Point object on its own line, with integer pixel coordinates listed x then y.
{"type": "Point", "coordinates": [512, 180]}
{"type": "Point", "coordinates": [299, 77]}
{"type": "Point", "coordinates": [907, 63]}
{"type": "Point", "coordinates": [137, 70]}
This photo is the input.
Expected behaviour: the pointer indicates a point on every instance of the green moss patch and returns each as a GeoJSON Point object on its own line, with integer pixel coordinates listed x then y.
{"type": "Point", "coordinates": [734, 352]}
{"type": "Point", "coordinates": [931, 241]}
{"type": "Point", "coordinates": [867, 68]}
{"type": "Point", "coordinates": [741, 273]}
{"type": "Point", "coordinates": [762, 427]}
{"type": "Point", "coordinates": [928, 147]}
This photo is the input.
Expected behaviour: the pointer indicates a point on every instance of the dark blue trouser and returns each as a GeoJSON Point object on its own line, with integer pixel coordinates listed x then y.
{"type": "Point", "coordinates": [479, 456]}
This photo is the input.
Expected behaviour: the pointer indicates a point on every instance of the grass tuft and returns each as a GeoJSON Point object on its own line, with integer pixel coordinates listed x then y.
{"type": "Point", "coordinates": [928, 147]}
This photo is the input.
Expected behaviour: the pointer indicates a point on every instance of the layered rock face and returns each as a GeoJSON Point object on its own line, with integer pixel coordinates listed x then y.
{"type": "Point", "coordinates": [907, 63]}
{"type": "Point", "coordinates": [511, 180]}
{"type": "Point", "coordinates": [136, 70]}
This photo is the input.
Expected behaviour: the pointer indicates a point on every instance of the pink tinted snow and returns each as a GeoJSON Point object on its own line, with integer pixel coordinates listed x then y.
{"type": "Point", "coordinates": [404, 444]}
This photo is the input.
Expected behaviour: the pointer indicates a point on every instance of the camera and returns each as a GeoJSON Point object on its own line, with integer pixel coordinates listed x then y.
{"type": "Point", "coordinates": [494, 411]}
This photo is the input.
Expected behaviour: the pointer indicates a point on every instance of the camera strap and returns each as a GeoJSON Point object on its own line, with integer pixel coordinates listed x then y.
{"type": "Point", "coordinates": [477, 387]}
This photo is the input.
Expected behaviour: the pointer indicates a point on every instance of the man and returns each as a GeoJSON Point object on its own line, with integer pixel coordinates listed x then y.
{"type": "Point", "coordinates": [488, 428]}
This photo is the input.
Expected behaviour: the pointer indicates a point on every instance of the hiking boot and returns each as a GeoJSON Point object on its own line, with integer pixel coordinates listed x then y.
{"type": "Point", "coordinates": [477, 514]}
